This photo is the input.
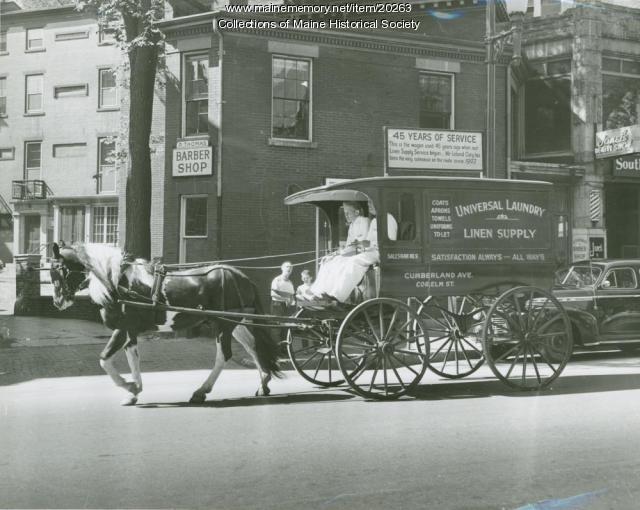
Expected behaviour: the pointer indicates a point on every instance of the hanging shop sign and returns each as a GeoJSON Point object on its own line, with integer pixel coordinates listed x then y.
{"type": "Point", "coordinates": [426, 149]}
{"type": "Point", "coordinates": [192, 158]}
{"type": "Point", "coordinates": [627, 166]}
{"type": "Point", "coordinates": [617, 142]}
{"type": "Point", "coordinates": [596, 248]}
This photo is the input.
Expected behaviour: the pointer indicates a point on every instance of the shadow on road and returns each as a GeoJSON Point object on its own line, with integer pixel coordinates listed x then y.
{"type": "Point", "coordinates": [292, 398]}
{"type": "Point", "coordinates": [564, 385]}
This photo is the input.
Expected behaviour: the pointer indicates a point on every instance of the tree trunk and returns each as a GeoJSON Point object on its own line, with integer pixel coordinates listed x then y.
{"type": "Point", "coordinates": [143, 63]}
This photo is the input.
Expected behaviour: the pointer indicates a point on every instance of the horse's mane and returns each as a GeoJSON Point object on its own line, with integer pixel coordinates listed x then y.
{"type": "Point", "coordinates": [106, 265]}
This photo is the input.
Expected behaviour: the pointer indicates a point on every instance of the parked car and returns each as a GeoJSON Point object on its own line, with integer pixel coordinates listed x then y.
{"type": "Point", "coordinates": [602, 299]}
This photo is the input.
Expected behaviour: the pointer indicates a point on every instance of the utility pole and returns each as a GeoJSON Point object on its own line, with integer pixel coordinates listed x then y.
{"type": "Point", "coordinates": [490, 14]}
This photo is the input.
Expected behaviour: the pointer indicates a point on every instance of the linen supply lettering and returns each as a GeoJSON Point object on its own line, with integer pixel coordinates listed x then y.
{"type": "Point", "coordinates": [500, 233]}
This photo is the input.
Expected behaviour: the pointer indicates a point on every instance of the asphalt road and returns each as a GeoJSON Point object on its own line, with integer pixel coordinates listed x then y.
{"type": "Point", "coordinates": [66, 443]}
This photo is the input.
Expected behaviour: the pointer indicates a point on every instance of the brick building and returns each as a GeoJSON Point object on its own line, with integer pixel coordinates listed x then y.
{"type": "Point", "coordinates": [581, 76]}
{"type": "Point", "coordinates": [59, 109]}
{"type": "Point", "coordinates": [285, 109]}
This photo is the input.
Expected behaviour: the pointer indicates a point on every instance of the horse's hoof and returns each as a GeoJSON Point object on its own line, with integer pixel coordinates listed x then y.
{"type": "Point", "coordinates": [132, 388]}
{"type": "Point", "coordinates": [131, 400]}
{"type": "Point", "coordinates": [265, 392]}
{"type": "Point", "coordinates": [197, 398]}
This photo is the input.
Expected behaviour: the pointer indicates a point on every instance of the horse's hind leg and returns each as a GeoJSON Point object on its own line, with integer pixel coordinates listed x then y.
{"type": "Point", "coordinates": [133, 358]}
{"type": "Point", "coordinates": [200, 395]}
{"type": "Point", "coordinates": [115, 343]}
{"type": "Point", "coordinates": [248, 341]}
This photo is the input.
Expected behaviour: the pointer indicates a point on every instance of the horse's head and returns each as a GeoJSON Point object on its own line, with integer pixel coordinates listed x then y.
{"type": "Point", "coordinates": [68, 276]}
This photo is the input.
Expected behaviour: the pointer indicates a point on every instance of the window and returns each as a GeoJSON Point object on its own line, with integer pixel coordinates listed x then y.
{"type": "Point", "coordinates": [195, 216]}
{"type": "Point", "coordinates": [35, 39]}
{"type": "Point", "coordinates": [72, 224]}
{"type": "Point", "coordinates": [196, 83]}
{"type": "Point", "coordinates": [436, 106]}
{"type": "Point", "coordinates": [106, 176]}
{"type": "Point", "coordinates": [32, 160]}
{"type": "Point", "coordinates": [70, 150]}
{"type": "Point", "coordinates": [108, 97]}
{"type": "Point", "coordinates": [69, 36]}
{"type": "Point", "coordinates": [547, 115]}
{"type": "Point", "coordinates": [620, 100]}
{"type": "Point", "coordinates": [7, 154]}
{"type": "Point", "coordinates": [106, 35]}
{"type": "Point", "coordinates": [34, 85]}
{"type": "Point", "coordinates": [401, 209]}
{"type": "Point", "coordinates": [291, 98]}
{"type": "Point", "coordinates": [105, 224]}
{"type": "Point", "coordinates": [623, 278]}
{"type": "Point", "coordinates": [3, 96]}
{"type": "Point", "coordinates": [3, 41]}
{"type": "Point", "coordinates": [63, 91]}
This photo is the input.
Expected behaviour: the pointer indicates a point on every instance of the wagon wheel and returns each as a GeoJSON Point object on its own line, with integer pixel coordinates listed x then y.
{"type": "Point", "coordinates": [527, 338]}
{"type": "Point", "coordinates": [312, 354]}
{"type": "Point", "coordinates": [382, 348]}
{"type": "Point", "coordinates": [454, 324]}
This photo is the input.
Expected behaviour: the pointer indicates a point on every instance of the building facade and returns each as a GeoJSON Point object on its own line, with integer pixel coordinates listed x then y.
{"type": "Point", "coordinates": [581, 76]}
{"type": "Point", "coordinates": [286, 109]}
{"type": "Point", "coordinates": [59, 117]}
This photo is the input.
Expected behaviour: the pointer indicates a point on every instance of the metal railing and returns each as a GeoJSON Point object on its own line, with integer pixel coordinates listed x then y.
{"type": "Point", "coordinates": [27, 190]}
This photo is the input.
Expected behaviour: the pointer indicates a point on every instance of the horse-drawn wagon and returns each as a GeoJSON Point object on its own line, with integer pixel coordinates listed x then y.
{"type": "Point", "coordinates": [461, 276]}
{"type": "Point", "coordinates": [463, 279]}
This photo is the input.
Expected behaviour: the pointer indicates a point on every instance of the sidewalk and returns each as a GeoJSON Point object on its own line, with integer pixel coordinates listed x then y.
{"type": "Point", "coordinates": [37, 347]}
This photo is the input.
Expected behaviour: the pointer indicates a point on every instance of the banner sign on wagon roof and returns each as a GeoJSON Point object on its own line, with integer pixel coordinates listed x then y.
{"type": "Point", "coordinates": [427, 149]}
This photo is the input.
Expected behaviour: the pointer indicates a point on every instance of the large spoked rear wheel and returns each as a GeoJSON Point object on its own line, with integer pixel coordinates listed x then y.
{"type": "Point", "coordinates": [527, 338]}
{"type": "Point", "coordinates": [455, 325]}
{"type": "Point", "coordinates": [312, 354]}
{"type": "Point", "coordinates": [382, 348]}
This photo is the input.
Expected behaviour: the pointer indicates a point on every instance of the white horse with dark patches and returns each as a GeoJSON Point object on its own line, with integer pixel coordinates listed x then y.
{"type": "Point", "coordinates": [110, 277]}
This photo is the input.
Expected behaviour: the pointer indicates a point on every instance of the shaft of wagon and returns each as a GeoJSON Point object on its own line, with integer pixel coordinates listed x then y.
{"type": "Point", "coordinates": [280, 321]}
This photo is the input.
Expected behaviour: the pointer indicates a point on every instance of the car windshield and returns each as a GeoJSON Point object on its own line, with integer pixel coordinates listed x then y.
{"type": "Point", "coordinates": [578, 276]}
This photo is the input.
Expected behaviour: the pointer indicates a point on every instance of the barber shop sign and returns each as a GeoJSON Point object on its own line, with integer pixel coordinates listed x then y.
{"type": "Point", "coordinates": [192, 158]}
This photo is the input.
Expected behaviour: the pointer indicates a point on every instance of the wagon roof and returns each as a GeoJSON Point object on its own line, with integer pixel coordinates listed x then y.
{"type": "Point", "coordinates": [351, 190]}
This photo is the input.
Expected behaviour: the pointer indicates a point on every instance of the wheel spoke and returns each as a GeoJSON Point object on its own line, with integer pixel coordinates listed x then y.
{"type": "Point", "coordinates": [404, 364]}
{"type": "Point", "coordinates": [304, 349]}
{"type": "Point", "coordinates": [479, 351]}
{"type": "Point", "coordinates": [373, 329]}
{"type": "Point", "coordinates": [440, 348]}
{"type": "Point", "coordinates": [375, 373]}
{"type": "Point", "coordinates": [464, 353]}
{"type": "Point", "coordinates": [384, 374]}
{"type": "Point", "coordinates": [392, 321]}
{"type": "Point", "coordinates": [524, 365]}
{"type": "Point", "coordinates": [513, 364]}
{"type": "Point", "coordinates": [540, 310]}
{"type": "Point", "coordinates": [398, 376]}
{"type": "Point", "coordinates": [504, 355]}
{"type": "Point", "coordinates": [535, 367]}
{"type": "Point", "coordinates": [330, 368]}
{"type": "Point", "coordinates": [446, 356]}
{"type": "Point", "coordinates": [315, 376]}
{"type": "Point", "coordinates": [309, 359]}
{"type": "Point", "coordinates": [546, 360]}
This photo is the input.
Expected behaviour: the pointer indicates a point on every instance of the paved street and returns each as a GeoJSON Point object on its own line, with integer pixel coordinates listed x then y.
{"type": "Point", "coordinates": [472, 444]}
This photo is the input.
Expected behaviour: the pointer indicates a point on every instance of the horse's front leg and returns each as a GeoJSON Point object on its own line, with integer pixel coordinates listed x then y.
{"type": "Point", "coordinates": [133, 358]}
{"type": "Point", "coordinates": [200, 395]}
{"type": "Point", "coordinates": [248, 341]}
{"type": "Point", "coordinates": [116, 342]}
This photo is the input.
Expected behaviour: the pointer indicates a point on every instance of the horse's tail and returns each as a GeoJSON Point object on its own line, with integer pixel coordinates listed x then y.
{"type": "Point", "coordinates": [266, 348]}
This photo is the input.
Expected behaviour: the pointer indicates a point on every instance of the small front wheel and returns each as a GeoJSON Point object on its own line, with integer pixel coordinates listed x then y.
{"type": "Point", "coordinates": [312, 355]}
{"type": "Point", "coordinates": [382, 348]}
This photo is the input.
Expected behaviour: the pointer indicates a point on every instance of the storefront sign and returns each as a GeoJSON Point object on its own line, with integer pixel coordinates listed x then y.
{"type": "Point", "coordinates": [617, 142]}
{"type": "Point", "coordinates": [421, 149]}
{"type": "Point", "coordinates": [192, 158]}
{"type": "Point", "coordinates": [596, 248]}
{"type": "Point", "coordinates": [627, 166]}
{"type": "Point", "coordinates": [580, 245]}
